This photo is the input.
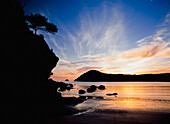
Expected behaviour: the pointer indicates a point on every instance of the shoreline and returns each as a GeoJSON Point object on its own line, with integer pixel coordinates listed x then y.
{"type": "Point", "coordinates": [116, 117]}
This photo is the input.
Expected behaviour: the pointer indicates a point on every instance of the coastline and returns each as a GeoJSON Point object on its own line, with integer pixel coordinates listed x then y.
{"type": "Point", "coordinates": [116, 117]}
{"type": "Point", "coordinates": [135, 104]}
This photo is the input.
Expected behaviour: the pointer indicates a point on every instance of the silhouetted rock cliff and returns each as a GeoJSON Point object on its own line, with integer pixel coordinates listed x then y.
{"type": "Point", "coordinates": [27, 63]}
{"type": "Point", "coordinates": [94, 75]}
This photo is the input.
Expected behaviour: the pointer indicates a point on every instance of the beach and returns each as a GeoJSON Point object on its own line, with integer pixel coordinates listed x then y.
{"type": "Point", "coordinates": [117, 117]}
{"type": "Point", "coordinates": [139, 103]}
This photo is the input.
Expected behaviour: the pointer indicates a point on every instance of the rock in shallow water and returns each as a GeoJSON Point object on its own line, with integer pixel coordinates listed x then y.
{"type": "Point", "coordinates": [101, 87]}
{"type": "Point", "coordinates": [110, 94]}
{"type": "Point", "coordinates": [82, 91]}
{"type": "Point", "coordinates": [91, 89]}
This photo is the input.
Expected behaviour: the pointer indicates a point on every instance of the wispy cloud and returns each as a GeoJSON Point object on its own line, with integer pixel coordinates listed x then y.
{"type": "Point", "coordinates": [96, 40]}
{"type": "Point", "coordinates": [153, 45]}
{"type": "Point", "coordinates": [58, 46]}
{"type": "Point", "coordinates": [103, 59]}
{"type": "Point", "coordinates": [147, 51]}
{"type": "Point", "coordinates": [91, 56]}
{"type": "Point", "coordinates": [165, 53]}
{"type": "Point", "coordinates": [158, 71]}
{"type": "Point", "coordinates": [150, 54]}
{"type": "Point", "coordinates": [78, 63]}
{"type": "Point", "coordinates": [98, 32]}
{"type": "Point", "coordinates": [161, 35]}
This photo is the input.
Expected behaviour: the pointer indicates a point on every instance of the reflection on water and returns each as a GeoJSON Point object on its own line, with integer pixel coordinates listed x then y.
{"type": "Point", "coordinates": [144, 96]}
{"type": "Point", "coordinates": [129, 104]}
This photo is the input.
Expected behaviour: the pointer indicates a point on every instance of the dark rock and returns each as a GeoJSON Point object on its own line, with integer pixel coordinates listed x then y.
{"type": "Point", "coordinates": [66, 80]}
{"type": "Point", "coordinates": [82, 97]}
{"type": "Point", "coordinates": [115, 93]}
{"type": "Point", "coordinates": [82, 91]}
{"type": "Point", "coordinates": [63, 87]}
{"type": "Point", "coordinates": [101, 87]}
{"type": "Point", "coordinates": [91, 89]}
{"type": "Point", "coordinates": [99, 97]}
{"type": "Point", "coordinates": [70, 85]}
{"type": "Point", "coordinates": [110, 94]}
{"type": "Point", "coordinates": [89, 97]}
{"type": "Point", "coordinates": [68, 88]}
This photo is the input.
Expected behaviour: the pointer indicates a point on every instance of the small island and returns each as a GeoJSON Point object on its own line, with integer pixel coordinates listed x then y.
{"type": "Point", "coordinates": [97, 76]}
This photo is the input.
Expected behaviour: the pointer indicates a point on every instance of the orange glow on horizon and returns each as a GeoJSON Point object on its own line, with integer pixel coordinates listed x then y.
{"type": "Point", "coordinates": [72, 76]}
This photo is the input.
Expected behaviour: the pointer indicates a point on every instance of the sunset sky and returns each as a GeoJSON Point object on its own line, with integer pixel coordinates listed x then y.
{"type": "Point", "coordinates": [112, 36]}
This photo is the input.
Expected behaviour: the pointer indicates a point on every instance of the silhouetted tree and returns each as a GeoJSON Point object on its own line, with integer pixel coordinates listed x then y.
{"type": "Point", "coordinates": [39, 22]}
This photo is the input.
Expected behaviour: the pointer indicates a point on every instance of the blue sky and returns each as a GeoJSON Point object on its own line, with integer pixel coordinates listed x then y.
{"type": "Point", "coordinates": [112, 36]}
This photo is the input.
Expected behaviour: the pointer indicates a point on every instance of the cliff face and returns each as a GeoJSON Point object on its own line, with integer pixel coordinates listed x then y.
{"type": "Point", "coordinates": [27, 61]}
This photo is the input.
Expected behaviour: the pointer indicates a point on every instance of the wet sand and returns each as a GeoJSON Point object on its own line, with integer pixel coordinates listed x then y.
{"type": "Point", "coordinates": [116, 117]}
{"type": "Point", "coordinates": [105, 112]}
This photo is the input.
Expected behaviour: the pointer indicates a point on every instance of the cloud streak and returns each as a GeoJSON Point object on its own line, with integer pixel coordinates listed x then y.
{"type": "Point", "coordinates": [153, 45]}
{"type": "Point", "coordinates": [166, 53]}
{"type": "Point", "coordinates": [97, 41]}
{"type": "Point", "coordinates": [98, 32]}
{"type": "Point", "coordinates": [78, 63]}
{"type": "Point", "coordinates": [151, 50]}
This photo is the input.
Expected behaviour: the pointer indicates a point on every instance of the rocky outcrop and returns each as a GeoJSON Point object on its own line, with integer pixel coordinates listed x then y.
{"type": "Point", "coordinates": [28, 61]}
{"type": "Point", "coordinates": [27, 64]}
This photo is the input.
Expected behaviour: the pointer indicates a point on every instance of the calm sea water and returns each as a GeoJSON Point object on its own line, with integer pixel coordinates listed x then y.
{"type": "Point", "coordinates": [141, 96]}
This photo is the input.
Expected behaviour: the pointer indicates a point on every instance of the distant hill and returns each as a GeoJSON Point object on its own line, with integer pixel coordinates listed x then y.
{"type": "Point", "coordinates": [94, 75]}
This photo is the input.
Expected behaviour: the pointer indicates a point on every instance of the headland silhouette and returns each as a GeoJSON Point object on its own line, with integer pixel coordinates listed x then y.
{"type": "Point", "coordinates": [28, 96]}
{"type": "Point", "coordinates": [94, 76]}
